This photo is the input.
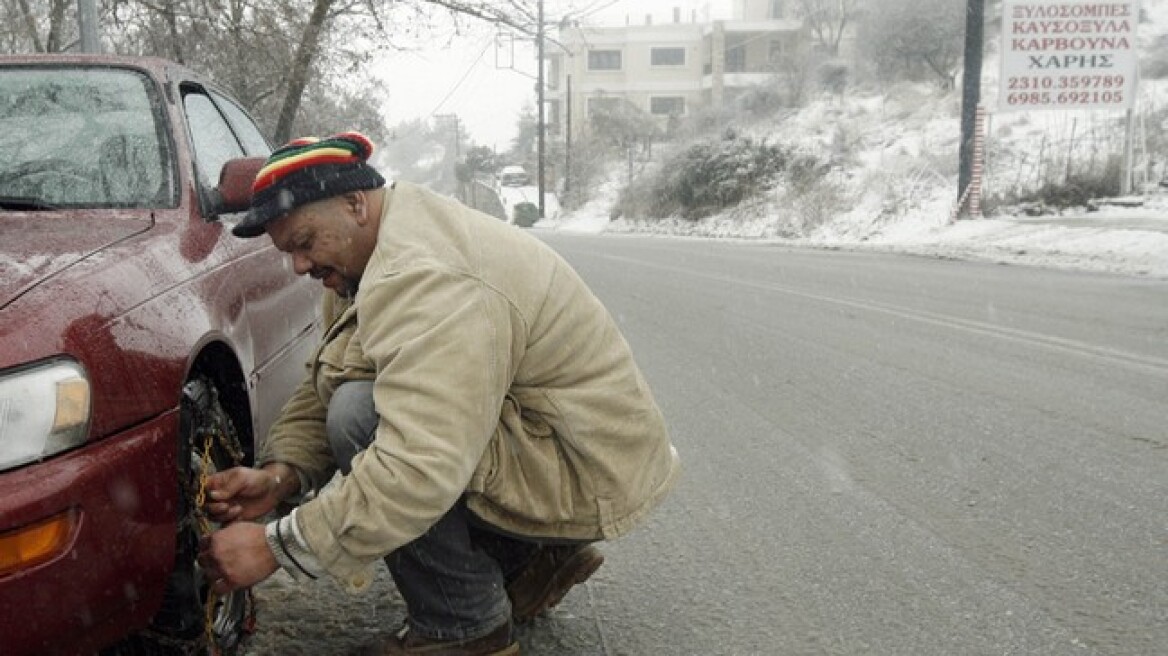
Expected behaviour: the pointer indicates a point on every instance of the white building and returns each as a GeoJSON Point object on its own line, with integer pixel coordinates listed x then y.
{"type": "Point", "coordinates": [667, 68]}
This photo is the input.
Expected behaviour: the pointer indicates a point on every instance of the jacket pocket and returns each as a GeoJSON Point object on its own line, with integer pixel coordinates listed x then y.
{"type": "Point", "coordinates": [526, 469]}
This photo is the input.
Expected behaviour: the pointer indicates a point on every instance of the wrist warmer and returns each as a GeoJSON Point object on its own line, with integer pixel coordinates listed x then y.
{"type": "Point", "coordinates": [287, 545]}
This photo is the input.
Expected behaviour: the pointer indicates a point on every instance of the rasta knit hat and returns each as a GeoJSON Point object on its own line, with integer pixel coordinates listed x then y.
{"type": "Point", "coordinates": [306, 170]}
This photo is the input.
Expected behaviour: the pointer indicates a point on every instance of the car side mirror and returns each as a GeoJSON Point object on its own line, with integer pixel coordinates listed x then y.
{"type": "Point", "coordinates": [235, 180]}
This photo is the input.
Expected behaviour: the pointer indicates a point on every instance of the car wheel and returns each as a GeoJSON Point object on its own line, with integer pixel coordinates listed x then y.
{"type": "Point", "coordinates": [190, 622]}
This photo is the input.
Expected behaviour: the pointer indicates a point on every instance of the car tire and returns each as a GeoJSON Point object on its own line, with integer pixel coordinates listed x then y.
{"type": "Point", "coordinates": [180, 625]}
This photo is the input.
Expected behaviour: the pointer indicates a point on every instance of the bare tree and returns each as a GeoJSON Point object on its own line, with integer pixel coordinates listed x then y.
{"type": "Point", "coordinates": [302, 63]}
{"type": "Point", "coordinates": [415, 151]}
{"type": "Point", "coordinates": [513, 13]}
{"type": "Point", "coordinates": [21, 21]}
{"type": "Point", "coordinates": [21, 15]}
{"type": "Point", "coordinates": [911, 39]}
{"type": "Point", "coordinates": [276, 54]}
{"type": "Point", "coordinates": [827, 20]}
{"type": "Point", "coordinates": [517, 14]}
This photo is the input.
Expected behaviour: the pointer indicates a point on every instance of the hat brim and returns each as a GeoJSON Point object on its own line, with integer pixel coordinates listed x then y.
{"type": "Point", "coordinates": [303, 187]}
{"type": "Point", "coordinates": [250, 226]}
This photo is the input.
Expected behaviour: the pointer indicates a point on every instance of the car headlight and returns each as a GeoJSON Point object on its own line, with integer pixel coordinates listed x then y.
{"type": "Point", "coordinates": [43, 410]}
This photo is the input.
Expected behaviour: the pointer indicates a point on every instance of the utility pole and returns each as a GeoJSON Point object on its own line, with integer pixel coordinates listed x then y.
{"type": "Point", "coordinates": [87, 23]}
{"type": "Point", "coordinates": [457, 138]}
{"type": "Point", "coordinates": [540, 127]}
{"type": "Point", "coordinates": [442, 123]}
{"type": "Point", "coordinates": [454, 123]}
{"type": "Point", "coordinates": [970, 96]}
{"type": "Point", "coordinates": [568, 139]}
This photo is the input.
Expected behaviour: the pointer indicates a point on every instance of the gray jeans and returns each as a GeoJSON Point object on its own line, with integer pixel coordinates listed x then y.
{"type": "Point", "coordinates": [453, 578]}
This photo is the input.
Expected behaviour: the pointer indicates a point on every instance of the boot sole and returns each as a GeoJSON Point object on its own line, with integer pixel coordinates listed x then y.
{"type": "Point", "coordinates": [579, 568]}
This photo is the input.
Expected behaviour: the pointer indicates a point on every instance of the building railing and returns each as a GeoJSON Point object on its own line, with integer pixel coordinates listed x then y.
{"type": "Point", "coordinates": [763, 68]}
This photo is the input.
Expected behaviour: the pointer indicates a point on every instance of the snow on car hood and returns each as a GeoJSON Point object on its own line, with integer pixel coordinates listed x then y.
{"type": "Point", "coordinates": [35, 246]}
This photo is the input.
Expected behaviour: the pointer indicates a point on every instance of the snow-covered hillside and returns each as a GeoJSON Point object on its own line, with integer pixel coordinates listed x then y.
{"type": "Point", "coordinates": [894, 181]}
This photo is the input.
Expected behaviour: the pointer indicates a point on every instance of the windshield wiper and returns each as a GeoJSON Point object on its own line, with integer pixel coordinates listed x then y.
{"type": "Point", "coordinates": [25, 203]}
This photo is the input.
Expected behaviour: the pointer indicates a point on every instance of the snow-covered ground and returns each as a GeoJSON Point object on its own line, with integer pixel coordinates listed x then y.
{"type": "Point", "coordinates": [513, 196]}
{"type": "Point", "coordinates": [1113, 239]}
{"type": "Point", "coordinates": [893, 181]}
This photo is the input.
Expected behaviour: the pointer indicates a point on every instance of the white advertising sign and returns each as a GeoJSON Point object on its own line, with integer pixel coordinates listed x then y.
{"type": "Point", "coordinates": [1068, 54]}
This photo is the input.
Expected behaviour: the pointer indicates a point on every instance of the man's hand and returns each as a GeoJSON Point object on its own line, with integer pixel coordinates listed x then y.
{"type": "Point", "coordinates": [243, 493]}
{"type": "Point", "coordinates": [236, 557]}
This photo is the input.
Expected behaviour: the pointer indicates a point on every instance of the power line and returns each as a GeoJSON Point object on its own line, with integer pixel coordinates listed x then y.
{"type": "Point", "coordinates": [461, 79]}
{"type": "Point", "coordinates": [593, 8]}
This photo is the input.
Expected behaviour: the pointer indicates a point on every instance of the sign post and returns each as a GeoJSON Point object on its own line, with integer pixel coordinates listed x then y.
{"type": "Point", "coordinates": [970, 105]}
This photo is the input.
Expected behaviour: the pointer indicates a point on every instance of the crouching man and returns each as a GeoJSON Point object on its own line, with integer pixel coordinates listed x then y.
{"type": "Point", "coordinates": [485, 412]}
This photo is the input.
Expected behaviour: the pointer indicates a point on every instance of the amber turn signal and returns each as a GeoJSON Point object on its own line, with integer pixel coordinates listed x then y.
{"type": "Point", "coordinates": [36, 543]}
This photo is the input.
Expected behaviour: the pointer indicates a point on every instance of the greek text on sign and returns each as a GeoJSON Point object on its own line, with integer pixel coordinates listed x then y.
{"type": "Point", "coordinates": [1068, 54]}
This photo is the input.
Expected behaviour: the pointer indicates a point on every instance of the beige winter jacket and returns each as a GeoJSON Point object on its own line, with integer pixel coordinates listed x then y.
{"type": "Point", "coordinates": [498, 375]}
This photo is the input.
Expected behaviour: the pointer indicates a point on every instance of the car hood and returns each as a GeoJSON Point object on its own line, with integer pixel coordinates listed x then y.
{"type": "Point", "coordinates": [36, 246]}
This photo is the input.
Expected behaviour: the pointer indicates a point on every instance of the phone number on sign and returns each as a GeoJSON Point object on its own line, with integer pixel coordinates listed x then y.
{"type": "Point", "coordinates": [1061, 82]}
{"type": "Point", "coordinates": [1066, 98]}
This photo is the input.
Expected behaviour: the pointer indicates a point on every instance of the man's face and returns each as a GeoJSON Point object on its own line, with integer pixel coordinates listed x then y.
{"type": "Point", "coordinates": [325, 241]}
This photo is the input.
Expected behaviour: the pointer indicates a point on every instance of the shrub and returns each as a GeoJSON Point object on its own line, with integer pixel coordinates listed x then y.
{"type": "Point", "coordinates": [1154, 65]}
{"type": "Point", "coordinates": [1078, 188]}
{"type": "Point", "coordinates": [707, 177]}
{"type": "Point", "coordinates": [526, 214]}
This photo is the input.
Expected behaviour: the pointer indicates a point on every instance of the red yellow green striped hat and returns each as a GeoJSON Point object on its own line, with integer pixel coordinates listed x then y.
{"type": "Point", "coordinates": [305, 170]}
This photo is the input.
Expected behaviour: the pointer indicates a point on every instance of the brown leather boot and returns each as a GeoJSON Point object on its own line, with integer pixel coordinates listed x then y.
{"type": "Point", "coordinates": [548, 576]}
{"type": "Point", "coordinates": [499, 642]}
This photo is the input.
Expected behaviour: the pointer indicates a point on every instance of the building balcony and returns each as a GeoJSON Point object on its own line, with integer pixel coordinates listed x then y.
{"type": "Point", "coordinates": [743, 79]}
{"type": "Point", "coordinates": [752, 28]}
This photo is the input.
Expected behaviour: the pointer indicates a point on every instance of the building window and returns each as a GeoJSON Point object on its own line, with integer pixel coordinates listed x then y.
{"type": "Point", "coordinates": [736, 59]}
{"type": "Point", "coordinates": [553, 120]}
{"type": "Point", "coordinates": [552, 72]}
{"type": "Point", "coordinates": [775, 55]}
{"type": "Point", "coordinates": [605, 104]}
{"type": "Point", "coordinates": [604, 60]}
{"type": "Point", "coordinates": [667, 105]}
{"type": "Point", "coordinates": [776, 9]}
{"type": "Point", "coordinates": [667, 56]}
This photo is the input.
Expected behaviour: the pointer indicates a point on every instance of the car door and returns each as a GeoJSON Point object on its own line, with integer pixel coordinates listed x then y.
{"type": "Point", "coordinates": [271, 297]}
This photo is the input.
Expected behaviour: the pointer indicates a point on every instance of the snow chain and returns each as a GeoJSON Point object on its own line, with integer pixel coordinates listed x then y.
{"type": "Point", "coordinates": [205, 529]}
{"type": "Point", "coordinates": [210, 437]}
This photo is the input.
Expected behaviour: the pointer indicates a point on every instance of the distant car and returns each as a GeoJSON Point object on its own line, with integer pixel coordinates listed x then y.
{"type": "Point", "coordinates": [514, 176]}
{"type": "Point", "coordinates": [141, 348]}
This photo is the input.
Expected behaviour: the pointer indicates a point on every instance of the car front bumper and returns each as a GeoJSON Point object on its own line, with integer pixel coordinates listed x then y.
{"type": "Point", "coordinates": [109, 574]}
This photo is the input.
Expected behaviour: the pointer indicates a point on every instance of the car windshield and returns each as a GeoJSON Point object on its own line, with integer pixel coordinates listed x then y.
{"type": "Point", "coordinates": [85, 137]}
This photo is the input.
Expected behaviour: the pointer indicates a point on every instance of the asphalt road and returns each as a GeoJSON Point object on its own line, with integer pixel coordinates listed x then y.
{"type": "Point", "coordinates": [883, 455]}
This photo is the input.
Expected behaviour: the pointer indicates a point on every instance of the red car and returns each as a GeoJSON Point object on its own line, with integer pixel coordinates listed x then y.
{"type": "Point", "coordinates": [141, 346]}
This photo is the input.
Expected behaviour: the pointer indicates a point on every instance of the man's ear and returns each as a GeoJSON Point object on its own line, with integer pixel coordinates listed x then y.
{"type": "Point", "coordinates": [357, 203]}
